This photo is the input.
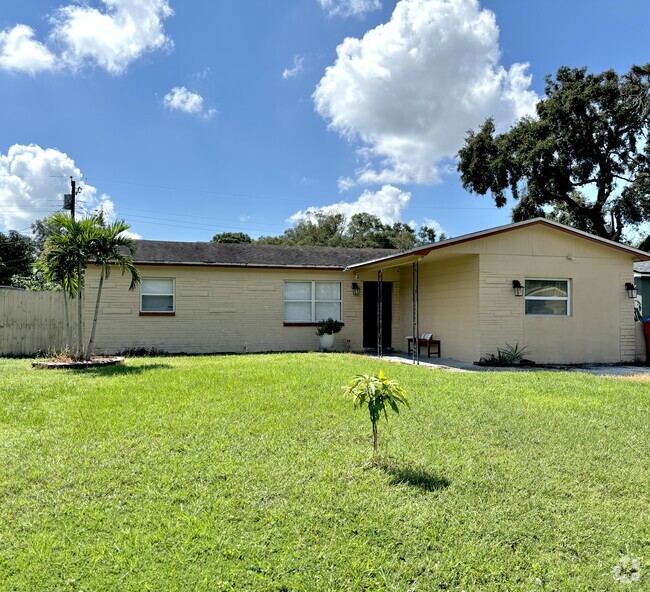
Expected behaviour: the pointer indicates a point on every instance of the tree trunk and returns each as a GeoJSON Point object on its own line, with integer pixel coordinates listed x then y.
{"type": "Point", "coordinates": [80, 337]}
{"type": "Point", "coordinates": [80, 343]}
{"type": "Point", "coordinates": [66, 312]}
{"type": "Point", "coordinates": [92, 332]}
{"type": "Point", "coordinates": [374, 436]}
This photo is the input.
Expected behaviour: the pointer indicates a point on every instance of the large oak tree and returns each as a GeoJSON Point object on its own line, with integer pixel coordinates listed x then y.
{"type": "Point", "coordinates": [584, 159]}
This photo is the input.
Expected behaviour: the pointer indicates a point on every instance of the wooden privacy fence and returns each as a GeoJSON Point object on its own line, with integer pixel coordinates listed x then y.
{"type": "Point", "coordinates": [32, 322]}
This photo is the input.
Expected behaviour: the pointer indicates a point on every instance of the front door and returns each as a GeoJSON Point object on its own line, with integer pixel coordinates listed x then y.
{"type": "Point", "coordinates": [370, 292]}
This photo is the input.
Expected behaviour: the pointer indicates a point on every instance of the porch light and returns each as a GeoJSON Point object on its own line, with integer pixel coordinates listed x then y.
{"type": "Point", "coordinates": [356, 290]}
{"type": "Point", "coordinates": [518, 288]}
{"type": "Point", "coordinates": [631, 290]}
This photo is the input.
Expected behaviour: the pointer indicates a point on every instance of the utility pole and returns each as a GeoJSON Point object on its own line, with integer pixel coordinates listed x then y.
{"type": "Point", "coordinates": [69, 199]}
{"type": "Point", "coordinates": [73, 193]}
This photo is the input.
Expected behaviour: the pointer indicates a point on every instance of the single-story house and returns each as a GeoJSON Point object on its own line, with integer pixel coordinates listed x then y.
{"type": "Point", "coordinates": [554, 289]}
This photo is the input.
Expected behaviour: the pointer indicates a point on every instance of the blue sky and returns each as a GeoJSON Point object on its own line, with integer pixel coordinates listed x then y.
{"type": "Point", "coordinates": [197, 117]}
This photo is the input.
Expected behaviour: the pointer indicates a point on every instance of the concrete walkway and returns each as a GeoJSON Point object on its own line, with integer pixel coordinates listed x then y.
{"type": "Point", "coordinates": [456, 366]}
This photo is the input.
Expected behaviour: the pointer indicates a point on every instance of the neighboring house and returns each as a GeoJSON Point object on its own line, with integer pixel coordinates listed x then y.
{"type": "Point", "coordinates": [642, 281]}
{"type": "Point", "coordinates": [208, 297]}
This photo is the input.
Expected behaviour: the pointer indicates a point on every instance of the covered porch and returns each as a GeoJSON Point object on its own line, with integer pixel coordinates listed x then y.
{"type": "Point", "coordinates": [412, 296]}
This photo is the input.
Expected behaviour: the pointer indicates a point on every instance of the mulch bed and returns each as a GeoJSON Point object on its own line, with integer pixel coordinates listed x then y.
{"type": "Point", "coordinates": [69, 364]}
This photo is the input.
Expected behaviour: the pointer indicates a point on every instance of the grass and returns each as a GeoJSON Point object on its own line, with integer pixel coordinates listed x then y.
{"type": "Point", "coordinates": [254, 473]}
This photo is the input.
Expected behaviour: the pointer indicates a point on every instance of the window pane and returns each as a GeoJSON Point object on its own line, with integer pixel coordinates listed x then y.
{"type": "Point", "coordinates": [325, 310]}
{"type": "Point", "coordinates": [297, 291]}
{"type": "Point", "coordinates": [297, 311]}
{"type": "Point", "coordinates": [546, 307]}
{"type": "Point", "coordinates": [547, 288]}
{"type": "Point", "coordinates": [328, 290]}
{"type": "Point", "coordinates": [157, 303]}
{"type": "Point", "coordinates": [157, 286]}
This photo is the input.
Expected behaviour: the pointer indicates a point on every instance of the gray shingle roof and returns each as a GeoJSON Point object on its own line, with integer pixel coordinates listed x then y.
{"type": "Point", "coordinates": [642, 267]}
{"type": "Point", "coordinates": [251, 255]}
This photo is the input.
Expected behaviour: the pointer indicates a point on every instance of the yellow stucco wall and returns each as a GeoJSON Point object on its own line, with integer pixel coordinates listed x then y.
{"type": "Point", "coordinates": [600, 327]}
{"type": "Point", "coordinates": [221, 310]}
{"type": "Point", "coordinates": [448, 304]}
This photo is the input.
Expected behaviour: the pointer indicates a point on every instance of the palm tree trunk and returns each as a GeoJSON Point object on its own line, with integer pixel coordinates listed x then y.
{"type": "Point", "coordinates": [66, 312]}
{"type": "Point", "coordinates": [92, 332]}
{"type": "Point", "coordinates": [80, 337]}
{"type": "Point", "coordinates": [80, 343]}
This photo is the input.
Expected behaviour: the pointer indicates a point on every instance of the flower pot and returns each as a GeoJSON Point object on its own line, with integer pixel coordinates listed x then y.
{"type": "Point", "coordinates": [326, 341]}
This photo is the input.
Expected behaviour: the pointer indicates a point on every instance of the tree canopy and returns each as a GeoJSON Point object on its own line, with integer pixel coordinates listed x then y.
{"type": "Point", "coordinates": [17, 254]}
{"type": "Point", "coordinates": [584, 159]}
{"type": "Point", "coordinates": [362, 230]}
{"type": "Point", "coordinates": [231, 237]}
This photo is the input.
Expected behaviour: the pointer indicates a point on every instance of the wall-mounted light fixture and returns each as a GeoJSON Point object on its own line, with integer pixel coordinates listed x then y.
{"type": "Point", "coordinates": [518, 288]}
{"type": "Point", "coordinates": [356, 289]}
{"type": "Point", "coordinates": [631, 290]}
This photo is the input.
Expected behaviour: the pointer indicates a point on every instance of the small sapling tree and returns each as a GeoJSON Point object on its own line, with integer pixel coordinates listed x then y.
{"type": "Point", "coordinates": [378, 393]}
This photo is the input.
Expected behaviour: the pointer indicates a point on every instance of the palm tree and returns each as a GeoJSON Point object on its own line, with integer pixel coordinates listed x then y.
{"type": "Point", "coordinates": [71, 247]}
{"type": "Point", "coordinates": [64, 258]}
{"type": "Point", "coordinates": [111, 246]}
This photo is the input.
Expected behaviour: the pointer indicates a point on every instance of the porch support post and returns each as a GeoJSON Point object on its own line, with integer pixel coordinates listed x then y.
{"type": "Point", "coordinates": [380, 313]}
{"type": "Point", "coordinates": [416, 312]}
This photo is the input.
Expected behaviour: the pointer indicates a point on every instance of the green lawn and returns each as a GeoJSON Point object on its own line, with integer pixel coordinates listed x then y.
{"type": "Point", "coordinates": [254, 473]}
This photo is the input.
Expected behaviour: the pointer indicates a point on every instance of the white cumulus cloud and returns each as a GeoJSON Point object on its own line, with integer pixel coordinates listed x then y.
{"type": "Point", "coordinates": [131, 235]}
{"type": "Point", "coordinates": [181, 99]}
{"type": "Point", "coordinates": [431, 223]}
{"type": "Point", "coordinates": [33, 181]}
{"type": "Point", "coordinates": [114, 37]}
{"type": "Point", "coordinates": [387, 204]}
{"type": "Point", "coordinates": [409, 90]}
{"type": "Point", "coordinates": [20, 52]}
{"type": "Point", "coordinates": [347, 8]}
{"type": "Point", "coordinates": [111, 37]}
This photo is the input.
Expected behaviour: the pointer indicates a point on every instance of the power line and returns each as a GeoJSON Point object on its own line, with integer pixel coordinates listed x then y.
{"type": "Point", "coordinates": [254, 196]}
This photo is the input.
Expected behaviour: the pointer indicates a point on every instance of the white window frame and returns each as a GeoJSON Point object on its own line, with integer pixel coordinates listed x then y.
{"type": "Point", "coordinates": [173, 295]}
{"type": "Point", "coordinates": [313, 299]}
{"type": "Point", "coordinates": [566, 298]}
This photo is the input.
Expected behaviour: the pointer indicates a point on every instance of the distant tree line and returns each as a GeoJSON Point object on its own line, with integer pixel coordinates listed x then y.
{"type": "Point", "coordinates": [362, 230]}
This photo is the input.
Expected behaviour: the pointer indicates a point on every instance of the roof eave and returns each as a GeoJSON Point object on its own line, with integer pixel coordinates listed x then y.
{"type": "Point", "coordinates": [426, 249]}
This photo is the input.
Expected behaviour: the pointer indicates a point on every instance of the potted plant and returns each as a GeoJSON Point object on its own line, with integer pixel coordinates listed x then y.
{"type": "Point", "coordinates": [326, 330]}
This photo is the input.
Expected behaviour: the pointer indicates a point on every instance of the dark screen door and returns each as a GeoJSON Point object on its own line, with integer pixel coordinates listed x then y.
{"type": "Point", "coordinates": [370, 291]}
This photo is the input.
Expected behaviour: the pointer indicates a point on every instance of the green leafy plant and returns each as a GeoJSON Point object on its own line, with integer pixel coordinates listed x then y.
{"type": "Point", "coordinates": [378, 393]}
{"type": "Point", "coordinates": [328, 327]}
{"type": "Point", "coordinates": [511, 354]}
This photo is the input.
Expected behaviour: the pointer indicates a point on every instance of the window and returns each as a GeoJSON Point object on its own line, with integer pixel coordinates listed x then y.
{"type": "Point", "coordinates": [157, 295]}
{"type": "Point", "coordinates": [310, 302]}
{"type": "Point", "coordinates": [547, 297]}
